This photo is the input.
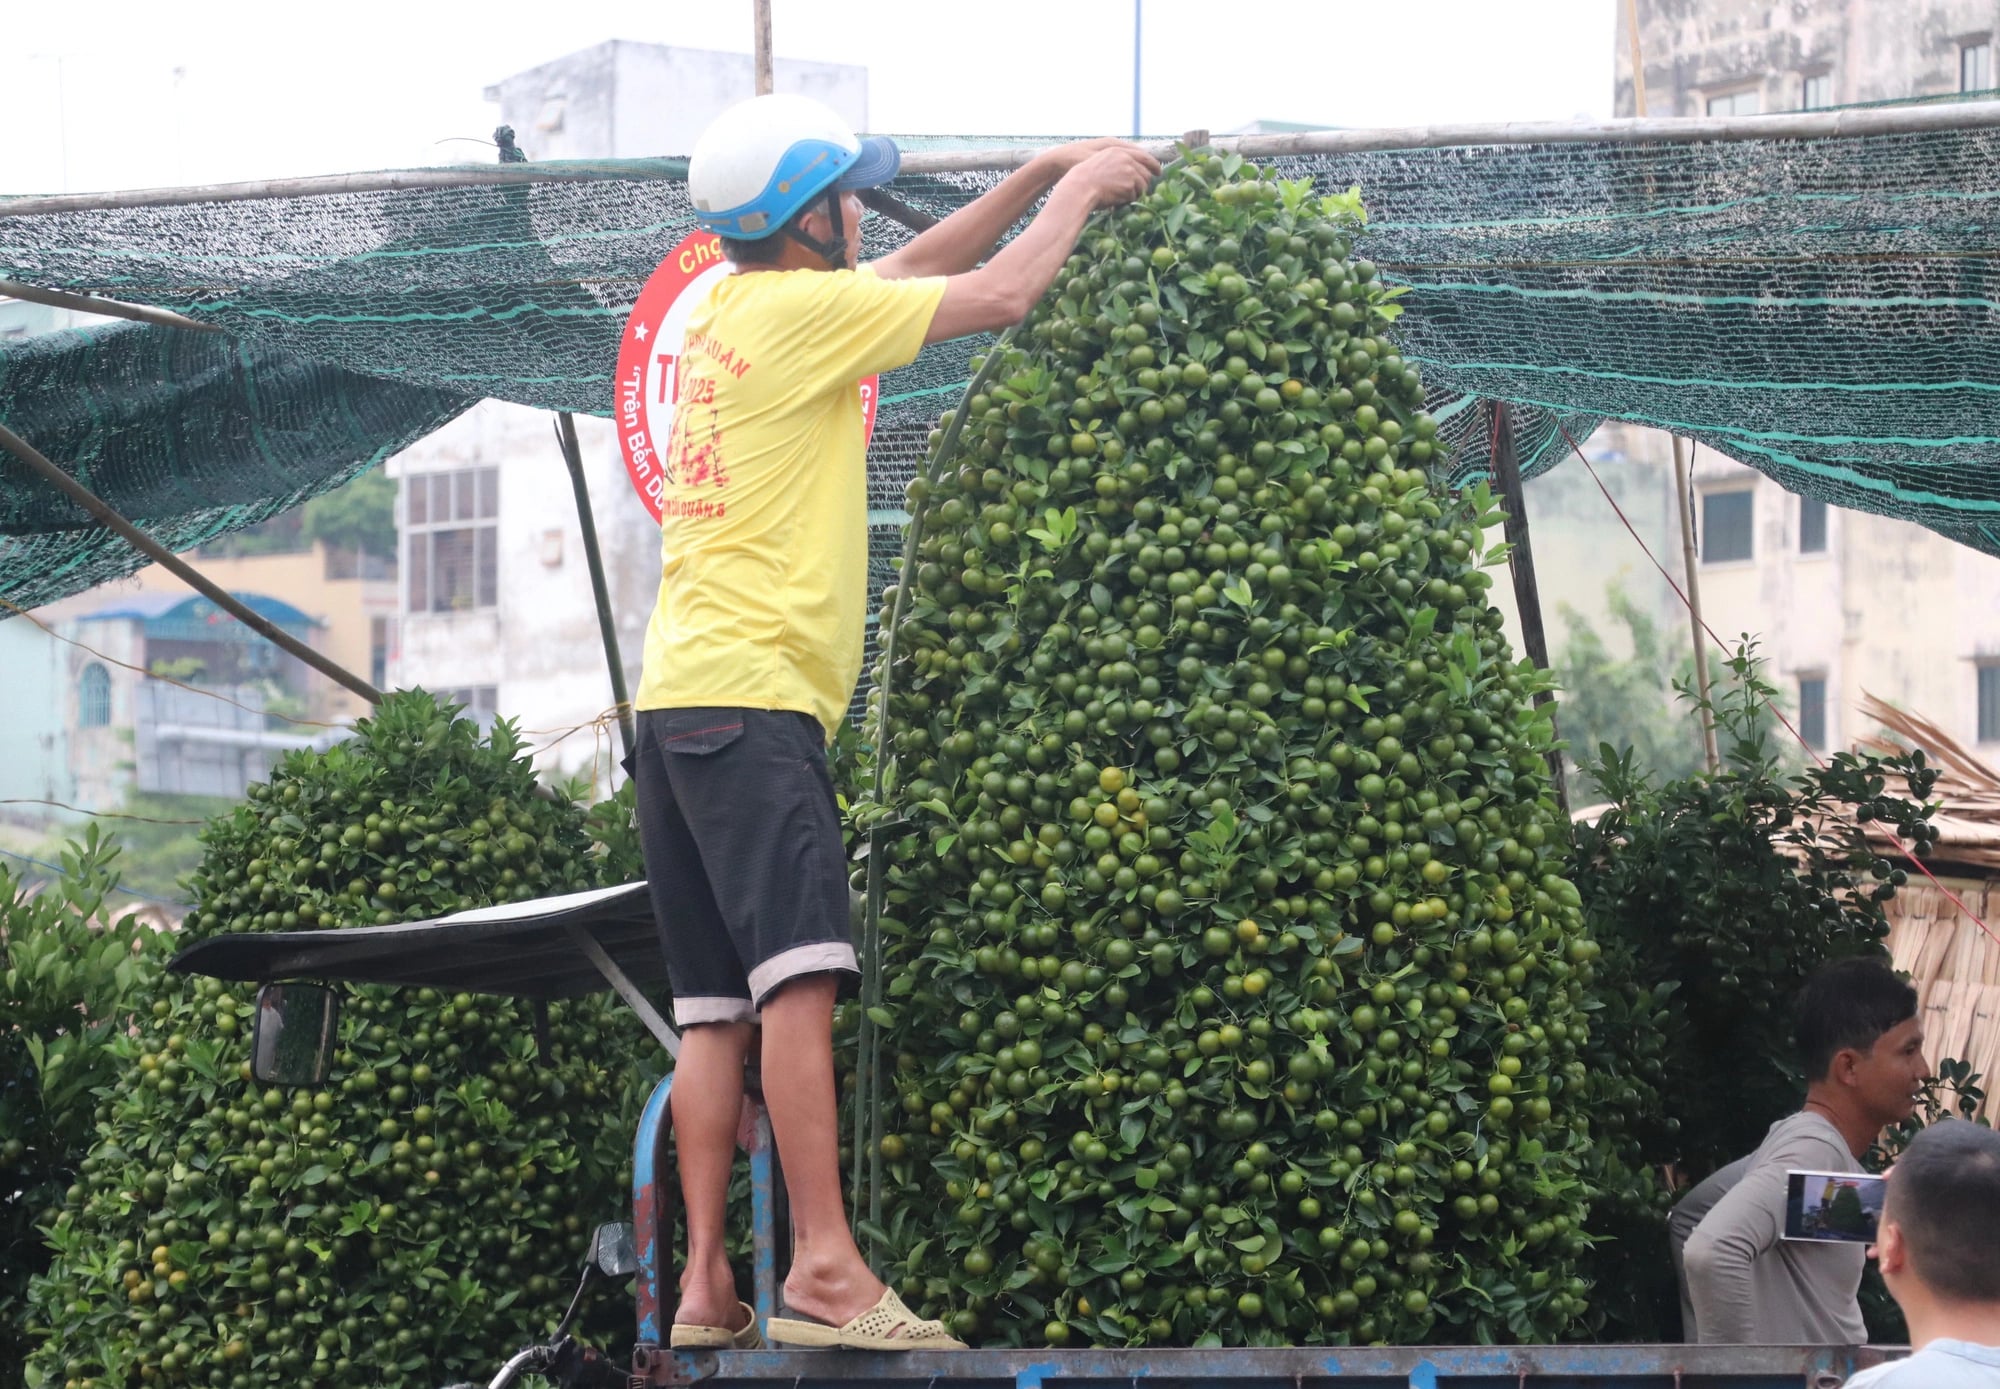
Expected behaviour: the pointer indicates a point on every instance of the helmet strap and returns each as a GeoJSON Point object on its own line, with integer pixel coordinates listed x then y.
{"type": "Point", "coordinates": [832, 251]}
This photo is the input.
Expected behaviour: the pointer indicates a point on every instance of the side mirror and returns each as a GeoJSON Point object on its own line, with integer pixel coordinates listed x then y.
{"type": "Point", "coordinates": [613, 1251]}
{"type": "Point", "coordinates": [293, 1039]}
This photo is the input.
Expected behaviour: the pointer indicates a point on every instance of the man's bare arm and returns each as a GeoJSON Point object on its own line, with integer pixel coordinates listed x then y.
{"type": "Point", "coordinates": [967, 237]}
{"type": "Point", "coordinates": [1001, 292]}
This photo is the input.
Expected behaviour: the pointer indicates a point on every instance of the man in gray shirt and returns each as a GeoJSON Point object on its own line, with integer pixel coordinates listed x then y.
{"type": "Point", "coordinates": [1687, 1214]}
{"type": "Point", "coordinates": [1861, 1045]}
{"type": "Point", "coordinates": [1940, 1256]}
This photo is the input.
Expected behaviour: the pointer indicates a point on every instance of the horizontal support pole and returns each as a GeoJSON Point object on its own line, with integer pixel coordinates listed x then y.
{"type": "Point", "coordinates": [1790, 125]}
{"type": "Point", "coordinates": [109, 308]}
{"type": "Point", "coordinates": [98, 511]}
{"type": "Point", "coordinates": [326, 185]}
{"type": "Point", "coordinates": [1689, 130]}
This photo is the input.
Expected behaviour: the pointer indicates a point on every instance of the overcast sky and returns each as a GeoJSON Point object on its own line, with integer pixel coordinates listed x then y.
{"type": "Point", "coordinates": [99, 94]}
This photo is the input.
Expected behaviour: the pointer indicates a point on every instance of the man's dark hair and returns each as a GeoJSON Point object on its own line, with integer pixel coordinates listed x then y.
{"type": "Point", "coordinates": [763, 251]}
{"type": "Point", "coordinates": [1848, 1003]}
{"type": "Point", "coordinates": [1944, 1192]}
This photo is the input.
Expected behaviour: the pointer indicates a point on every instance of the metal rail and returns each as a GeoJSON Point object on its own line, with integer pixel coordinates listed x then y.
{"type": "Point", "coordinates": [1305, 1367]}
{"type": "Point", "coordinates": [1795, 125]}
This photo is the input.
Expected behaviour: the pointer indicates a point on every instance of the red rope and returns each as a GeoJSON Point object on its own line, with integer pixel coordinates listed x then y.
{"type": "Point", "coordinates": [1810, 750]}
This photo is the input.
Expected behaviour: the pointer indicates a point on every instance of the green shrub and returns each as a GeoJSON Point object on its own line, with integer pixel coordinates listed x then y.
{"type": "Point", "coordinates": [67, 980]}
{"type": "Point", "coordinates": [1714, 896]}
{"type": "Point", "coordinates": [421, 1215]}
{"type": "Point", "coordinates": [1233, 996]}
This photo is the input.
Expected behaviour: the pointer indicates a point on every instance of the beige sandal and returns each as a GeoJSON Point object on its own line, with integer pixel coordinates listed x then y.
{"type": "Point", "coordinates": [686, 1335]}
{"type": "Point", "coordinates": [888, 1325]}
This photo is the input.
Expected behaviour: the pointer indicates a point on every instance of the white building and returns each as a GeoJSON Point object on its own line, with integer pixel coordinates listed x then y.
{"type": "Point", "coordinates": [496, 599]}
{"type": "Point", "coordinates": [1841, 601]}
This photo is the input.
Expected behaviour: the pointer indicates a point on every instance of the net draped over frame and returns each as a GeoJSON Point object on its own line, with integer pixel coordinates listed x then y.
{"type": "Point", "coordinates": [1821, 310]}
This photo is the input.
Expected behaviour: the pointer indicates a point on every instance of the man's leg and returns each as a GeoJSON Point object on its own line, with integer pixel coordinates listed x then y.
{"type": "Point", "coordinates": [707, 1100]}
{"type": "Point", "coordinates": [711, 1001]}
{"type": "Point", "coordinates": [829, 1281]}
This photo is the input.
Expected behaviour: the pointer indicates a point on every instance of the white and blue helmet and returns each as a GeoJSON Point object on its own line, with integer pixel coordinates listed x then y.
{"type": "Point", "coordinates": [763, 160]}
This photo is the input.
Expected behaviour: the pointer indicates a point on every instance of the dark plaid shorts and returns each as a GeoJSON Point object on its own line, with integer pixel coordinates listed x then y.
{"type": "Point", "coordinates": [741, 834]}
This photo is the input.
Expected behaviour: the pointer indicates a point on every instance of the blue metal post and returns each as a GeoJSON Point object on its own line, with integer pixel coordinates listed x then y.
{"type": "Point", "coordinates": [767, 1201]}
{"type": "Point", "coordinates": [652, 1216]}
{"type": "Point", "coordinates": [653, 1219]}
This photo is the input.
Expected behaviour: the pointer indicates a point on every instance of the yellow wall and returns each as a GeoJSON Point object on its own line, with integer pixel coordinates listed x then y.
{"type": "Point", "coordinates": [345, 606]}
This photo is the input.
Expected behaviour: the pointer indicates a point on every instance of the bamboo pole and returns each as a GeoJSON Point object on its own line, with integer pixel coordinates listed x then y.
{"type": "Point", "coordinates": [110, 308]}
{"type": "Point", "coordinates": [1691, 562]}
{"type": "Point", "coordinates": [179, 568]}
{"type": "Point", "coordinates": [766, 83]}
{"type": "Point", "coordinates": [1789, 125]}
{"type": "Point", "coordinates": [329, 185]}
{"type": "Point", "coordinates": [1638, 65]}
{"type": "Point", "coordinates": [1138, 68]}
{"type": "Point", "coordinates": [594, 561]}
{"type": "Point", "coordinates": [886, 204]}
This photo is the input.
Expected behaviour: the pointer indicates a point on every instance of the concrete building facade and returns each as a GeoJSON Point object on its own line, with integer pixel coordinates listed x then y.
{"type": "Point", "coordinates": [624, 100]}
{"type": "Point", "coordinates": [1842, 602]}
{"type": "Point", "coordinates": [495, 607]}
{"type": "Point", "coordinates": [353, 601]}
{"type": "Point", "coordinates": [1745, 57]}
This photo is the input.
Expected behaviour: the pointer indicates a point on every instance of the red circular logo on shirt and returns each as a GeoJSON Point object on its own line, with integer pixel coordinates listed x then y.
{"type": "Point", "coordinates": [648, 383]}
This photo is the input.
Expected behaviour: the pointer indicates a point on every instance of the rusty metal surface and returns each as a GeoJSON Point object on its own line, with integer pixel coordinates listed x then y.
{"type": "Point", "coordinates": [767, 1208]}
{"type": "Point", "coordinates": [652, 1211]}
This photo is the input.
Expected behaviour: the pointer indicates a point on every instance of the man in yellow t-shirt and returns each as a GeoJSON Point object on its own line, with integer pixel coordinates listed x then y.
{"type": "Point", "coordinates": [755, 645]}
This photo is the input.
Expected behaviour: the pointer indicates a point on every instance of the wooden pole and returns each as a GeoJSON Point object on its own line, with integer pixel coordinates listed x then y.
{"type": "Point", "coordinates": [766, 82]}
{"type": "Point", "coordinates": [886, 204]}
{"type": "Point", "coordinates": [180, 569]}
{"type": "Point", "coordinates": [1691, 563]}
{"type": "Point", "coordinates": [1521, 564]}
{"type": "Point", "coordinates": [1138, 70]}
{"type": "Point", "coordinates": [594, 560]}
{"type": "Point", "coordinates": [1790, 125]}
{"type": "Point", "coordinates": [110, 308]}
{"type": "Point", "coordinates": [1815, 125]}
{"type": "Point", "coordinates": [1638, 66]}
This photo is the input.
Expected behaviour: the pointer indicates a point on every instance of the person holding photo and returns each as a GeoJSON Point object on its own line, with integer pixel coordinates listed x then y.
{"type": "Point", "coordinates": [1861, 1045]}
{"type": "Point", "coordinates": [1940, 1256]}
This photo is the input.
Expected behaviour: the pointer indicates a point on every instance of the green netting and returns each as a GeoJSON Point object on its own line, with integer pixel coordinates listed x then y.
{"type": "Point", "coordinates": [191, 435]}
{"type": "Point", "coordinates": [1821, 310]}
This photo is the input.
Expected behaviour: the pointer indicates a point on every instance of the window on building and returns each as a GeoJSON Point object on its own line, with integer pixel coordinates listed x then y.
{"type": "Point", "coordinates": [1747, 102]}
{"type": "Point", "coordinates": [1989, 702]}
{"type": "Point", "coordinates": [1812, 710]}
{"type": "Point", "coordinates": [380, 631]}
{"type": "Point", "coordinates": [1812, 526]}
{"type": "Point", "coordinates": [1816, 92]}
{"type": "Point", "coordinates": [1726, 526]}
{"type": "Point", "coordinates": [477, 702]}
{"type": "Point", "coordinates": [451, 529]}
{"type": "Point", "coordinates": [1975, 66]}
{"type": "Point", "coordinates": [93, 697]}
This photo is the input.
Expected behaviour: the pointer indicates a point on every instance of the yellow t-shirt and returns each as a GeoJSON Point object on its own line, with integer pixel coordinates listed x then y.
{"type": "Point", "coordinates": [764, 542]}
